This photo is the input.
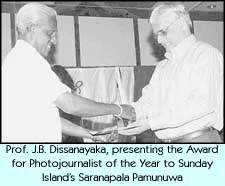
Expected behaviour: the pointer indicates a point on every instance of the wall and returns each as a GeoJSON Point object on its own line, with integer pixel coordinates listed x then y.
{"type": "Point", "coordinates": [211, 32]}
{"type": "Point", "coordinates": [6, 34]}
{"type": "Point", "coordinates": [108, 40]}
{"type": "Point", "coordinates": [66, 51]}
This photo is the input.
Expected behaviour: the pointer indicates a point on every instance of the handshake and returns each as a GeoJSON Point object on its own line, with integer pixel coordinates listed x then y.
{"type": "Point", "coordinates": [126, 127]}
{"type": "Point", "coordinates": [134, 126]}
{"type": "Point", "coordinates": [127, 112]}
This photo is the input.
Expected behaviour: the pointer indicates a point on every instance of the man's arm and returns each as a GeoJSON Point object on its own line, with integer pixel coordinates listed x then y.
{"type": "Point", "coordinates": [84, 107]}
{"type": "Point", "coordinates": [72, 129]}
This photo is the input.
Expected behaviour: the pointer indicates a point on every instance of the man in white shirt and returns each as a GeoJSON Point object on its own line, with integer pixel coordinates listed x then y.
{"type": "Point", "coordinates": [183, 101]}
{"type": "Point", "coordinates": [32, 91]}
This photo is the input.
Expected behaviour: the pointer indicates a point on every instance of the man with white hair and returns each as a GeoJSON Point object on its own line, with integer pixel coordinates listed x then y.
{"type": "Point", "coordinates": [31, 90]}
{"type": "Point", "coordinates": [183, 101]}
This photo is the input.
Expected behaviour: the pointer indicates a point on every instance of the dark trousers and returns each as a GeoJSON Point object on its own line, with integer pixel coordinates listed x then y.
{"type": "Point", "coordinates": [211, 136]}
{"type": "Point", "coordinates": [147, 137]}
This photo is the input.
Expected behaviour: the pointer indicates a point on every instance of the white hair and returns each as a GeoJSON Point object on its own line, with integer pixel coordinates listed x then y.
{"type": "Point", "coordinates": [32, 13]}
{"type": "Point", "coordinates": [170, 10]}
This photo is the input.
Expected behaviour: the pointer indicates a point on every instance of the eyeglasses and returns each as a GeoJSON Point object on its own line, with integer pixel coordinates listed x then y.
{"type": "Point", "coordinates": [163, 32]}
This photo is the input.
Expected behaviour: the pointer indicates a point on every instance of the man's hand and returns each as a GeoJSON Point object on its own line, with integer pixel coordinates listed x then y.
{"type": "Point", "coordinates": [108, 134]}
{"type": "Point", "coordinates": [134, 128]}
{"type": "Point", "coordinates": [99, 139]}
{"type": "Point", "coordinates": [128, 112]}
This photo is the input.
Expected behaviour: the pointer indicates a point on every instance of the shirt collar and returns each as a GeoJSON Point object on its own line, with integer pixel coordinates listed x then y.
{"type": "Point", "coordinates": [24, 44]}
{"type": "Point", "coordinates": [30, 49]}
{"type": "Point", "coordinates": [179, 51]}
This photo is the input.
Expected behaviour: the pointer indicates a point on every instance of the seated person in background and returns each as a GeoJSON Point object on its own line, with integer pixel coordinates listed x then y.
{"type": "Point", "coordinates": [66, 79]}
{"type": "Point", "coordinates": [82, 132]}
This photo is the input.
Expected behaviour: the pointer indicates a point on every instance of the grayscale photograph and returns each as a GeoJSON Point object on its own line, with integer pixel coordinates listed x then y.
{"type": "Point", "coordinates": [135, 72]}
